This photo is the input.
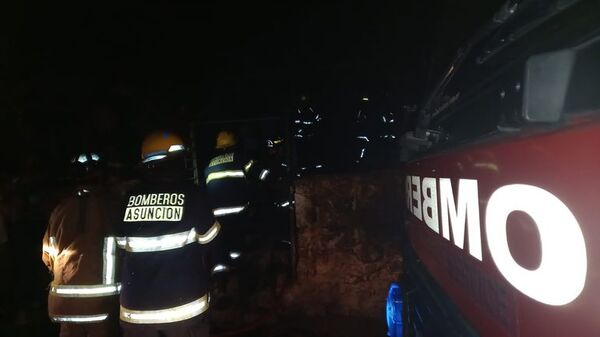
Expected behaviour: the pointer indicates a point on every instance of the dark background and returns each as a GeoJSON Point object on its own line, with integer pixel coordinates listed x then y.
{"type": "Point", "coordinates": [79, 76]}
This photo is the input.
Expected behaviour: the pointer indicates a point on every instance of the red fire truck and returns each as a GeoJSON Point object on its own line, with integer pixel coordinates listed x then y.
{"type": "Point", "coordinates": [503, 183]}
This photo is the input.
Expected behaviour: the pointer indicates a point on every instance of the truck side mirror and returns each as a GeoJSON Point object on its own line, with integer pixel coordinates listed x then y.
{"type": "Point", "coordinates": [547, 78]}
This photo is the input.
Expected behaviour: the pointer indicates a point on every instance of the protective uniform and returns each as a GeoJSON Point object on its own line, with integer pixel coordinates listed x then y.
{"type": "Point", "coordinates": [228, 187]}
{"type": "Point", "coordinates": [79, 251]}
{"type": "Point", "coordinates": [226, 177]}
{"type": "Point", "coordinates": [167, 237]}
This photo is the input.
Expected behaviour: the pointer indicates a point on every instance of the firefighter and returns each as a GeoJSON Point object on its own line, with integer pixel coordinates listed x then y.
{"type": "Point", "coordinates": [168, 237]}
{"type": "Point", "coordinates": [79, 251]}
{"type": "Point", "coordinates": [229, 189]}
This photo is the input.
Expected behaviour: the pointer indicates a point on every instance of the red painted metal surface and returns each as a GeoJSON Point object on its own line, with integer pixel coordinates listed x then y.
{"type": "Point", "coordinates": [566, 163]}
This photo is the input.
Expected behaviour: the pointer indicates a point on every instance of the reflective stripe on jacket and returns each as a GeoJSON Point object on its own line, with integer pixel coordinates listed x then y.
{"type": "Point", "coordinates": [79, 250]}
{"type": "Point", "coordinates": [228, 179]}
{"type": "Point", "coordinates": [167, 237]}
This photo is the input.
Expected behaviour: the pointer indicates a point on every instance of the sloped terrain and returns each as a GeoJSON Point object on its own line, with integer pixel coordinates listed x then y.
{"type": "Point", "coordinates": [348, 253]}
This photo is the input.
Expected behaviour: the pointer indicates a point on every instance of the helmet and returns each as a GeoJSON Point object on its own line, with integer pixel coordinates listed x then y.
{"type": "Point", "coordinates": [225, 139]}
{"type": "Point", "coordinates": [85, 163]}
{"type": "Point", "coordinates": [159, 145]}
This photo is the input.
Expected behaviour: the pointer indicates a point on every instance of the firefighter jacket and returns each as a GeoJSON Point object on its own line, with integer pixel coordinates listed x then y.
{"type": "Point", "coordinates": [79, 250]}
{"type": "Point", "coordinates": [168, 240]}
{"type": "Point", "coordinates": [227, 181]}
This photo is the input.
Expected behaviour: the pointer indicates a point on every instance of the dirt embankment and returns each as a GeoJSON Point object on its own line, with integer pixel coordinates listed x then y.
{"type": "Point", "coordinates": [348, 245]}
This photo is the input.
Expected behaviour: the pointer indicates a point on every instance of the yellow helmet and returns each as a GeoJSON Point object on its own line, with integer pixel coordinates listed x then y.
{"type": "Point", "coordinates": [225, 139]}
{"type": "Point", "coordinates": [160, 144]}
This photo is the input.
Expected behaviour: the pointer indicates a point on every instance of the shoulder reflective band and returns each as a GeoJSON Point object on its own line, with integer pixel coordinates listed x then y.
{"type": "Point", "coordinates": [168, 315]}
{"type": "Point", "coordinates": [225, 174]}
{"type": "Point", "coordinates": [85, 290]}
{"type": "Point", "coordinates": [108, 272]}
{"type": "Point", "coordinates": [157, 243]}
{"type": "Point", "coordinates": [79, 318]}
{"type": "Point", "coordinates": [264, 174]}
{"type": "Point", "coordinates": [228, 210]}
{"type": "Point", "coordinates": [248, 166]}
{"type": "Point", "coordinates": [210, 234]}
{"type": "Point", "coordinates": [50, 248]}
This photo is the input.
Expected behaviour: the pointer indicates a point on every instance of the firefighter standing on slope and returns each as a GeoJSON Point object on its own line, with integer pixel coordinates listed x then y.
{"type": "Point", "coordinates": [228, 189]}
{"type": "Point", "coordinates": [79, 251]}
{"type": "Point", "coordinates": [168, 237]}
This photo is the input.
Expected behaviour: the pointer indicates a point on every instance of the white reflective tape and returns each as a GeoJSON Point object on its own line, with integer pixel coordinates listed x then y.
{"type": "Point", "coordinates": [234, 255]}
{"type": "Point", "coordinates": [225, 174]}
{"type": "Point", "coordinates": [248, 166]}
{"type": "Point", "coordinates": [79, 318]}
{"type": "Point", "coordinates": [108, 272]}
{"type": "Point", "coordinates": [264, 174]}
{"type": "Point", "coordinates": [227, 210]}
{"type": "Point", "coordinates": [219, 268]}
{"type": "Point", "coordinates": [85, 290]}
{"type": "Point", "coordinates": [121, 242]}
{"type": "Point", "coordinates": [210, 234]}
{"type": "Point", "coordinates": [177, 147]}
{"type": "Point", "coordinates": [168, 315]}
{"type": "Point", "coordinates": [153, 158]}
{"type": "Point", "coordinates": [157, 243]}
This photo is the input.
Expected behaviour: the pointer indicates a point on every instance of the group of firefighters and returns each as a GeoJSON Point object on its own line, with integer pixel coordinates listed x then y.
{"type": "Point", "coordinates": [141, 266]}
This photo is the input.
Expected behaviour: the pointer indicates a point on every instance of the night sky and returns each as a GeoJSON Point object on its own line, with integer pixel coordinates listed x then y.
{"type": "Point", "coordinates": [82, 76]}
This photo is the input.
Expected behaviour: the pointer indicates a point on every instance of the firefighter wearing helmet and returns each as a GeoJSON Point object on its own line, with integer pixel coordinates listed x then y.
{"type": "Point", "coordinates": [228, 187]}
{"type": "Point", "coordinates": [168, 238]}
{"type": "Point", "coordinates": [79, 251]}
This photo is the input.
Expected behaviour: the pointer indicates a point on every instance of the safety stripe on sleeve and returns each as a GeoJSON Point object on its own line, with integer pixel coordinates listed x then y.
{"type": "Point", "coordinates": [210, 234]}
{"type": "Point", "coordinates": [217, 212]}
{"type": "Point", "coordinates": [248, 165]}
{"type": "Point", "coordinates": [264, 174]}
{"type": "Point", "coordinates": [79, 318]}
{"type": "Point", "coordinates": [225, 174]}
{"type": "Point", "coordinates": [168, 315]}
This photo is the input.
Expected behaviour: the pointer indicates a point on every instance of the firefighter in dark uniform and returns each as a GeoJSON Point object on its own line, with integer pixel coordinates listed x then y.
{"type": "Point", "coordinates": [168, 238]}
{"type": "Point", "coordinates": [229, 189]}
{"type": "Point", "coordinates": [79, 250]}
